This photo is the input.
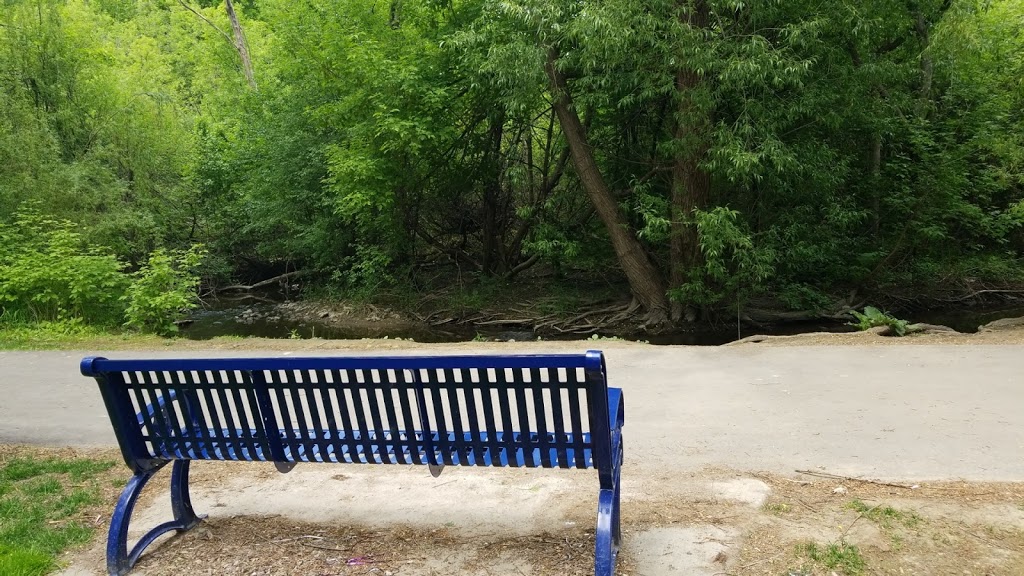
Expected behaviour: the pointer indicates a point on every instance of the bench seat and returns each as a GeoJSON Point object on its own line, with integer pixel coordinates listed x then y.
{"type": "Point", "coordinates": [305, 446]}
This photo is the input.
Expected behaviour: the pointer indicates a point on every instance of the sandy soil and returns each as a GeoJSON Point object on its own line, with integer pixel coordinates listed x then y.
{"type": "Point", "coordinates": [324, 521]}
{"type": "Point", "coordinates": [1011, 335]}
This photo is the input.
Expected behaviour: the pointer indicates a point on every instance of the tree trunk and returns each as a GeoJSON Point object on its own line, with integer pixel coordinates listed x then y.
{"type": "Point", "coordinates": [691, 185]}
{"type": "Point", "coordinates": [876, 184]}
{"type": "Point", "coordinates": [240, 44]}
{"type": "Point", "coordinates": [492, 193]}
{"type": "Point", "coordinates": [645, 280]}
{"type": "Point", "coordinates": [922, 25]}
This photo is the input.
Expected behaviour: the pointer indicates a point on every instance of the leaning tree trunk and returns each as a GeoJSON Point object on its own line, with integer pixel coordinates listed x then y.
{"type": "Point", "coordinates": [238, 41]}
{"type": "Point", "coordinates": [240, 44]}
{"type": "Point", "coordinates": [691, 184]}
{"type": "Point", "coordinates": [645, 280]}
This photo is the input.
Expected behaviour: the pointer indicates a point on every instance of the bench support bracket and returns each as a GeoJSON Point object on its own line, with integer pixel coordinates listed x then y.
{"type": "Point", "coordinates": [119, 559]}
{"type": "Point", "coordinates": [609, 534]}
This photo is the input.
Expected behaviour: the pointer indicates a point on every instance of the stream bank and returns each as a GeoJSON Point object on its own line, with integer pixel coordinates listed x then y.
{"type": "Point", "coordinates": [265, 318]}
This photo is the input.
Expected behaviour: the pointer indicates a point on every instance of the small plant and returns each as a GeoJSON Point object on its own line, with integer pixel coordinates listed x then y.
{"type": "Point", "coordinates": [777, 508]}
{"type": "Point", "coordinates": [885, 516]}
{"type": "Point", "coordinates": [293, 334]}
{"type": "Point", "coordinates": [163, 289]}
{"type": "Point", "coordinates": [835, 556]}
{"type": "Point", "coordinates": [479, 338]}
{"type": "Point", "coordinates": [873, 317]}
{"type": "Point", "coordinates": [736, 266]}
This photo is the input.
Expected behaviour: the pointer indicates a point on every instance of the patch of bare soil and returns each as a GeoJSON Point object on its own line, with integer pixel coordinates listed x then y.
{"type": "Point", "coordinates": [935, 528]}
{"type": "Point", "coordinates": [274, 546]}
{"type": "Point", "coordinates": [711, 522]}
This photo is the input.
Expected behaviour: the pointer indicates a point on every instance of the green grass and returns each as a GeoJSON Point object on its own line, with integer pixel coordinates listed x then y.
{"type": "Point", "coordinates": [841, 556]}
{"type": "Point", "coordinates": [41, 501]}
{"type": "Point", "coordinates": [885, 516]}
{"type": "Point", "coordinates": [63, 335]}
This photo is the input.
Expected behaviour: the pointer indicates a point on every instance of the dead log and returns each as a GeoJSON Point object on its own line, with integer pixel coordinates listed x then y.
{"type": "Point", "coordinates": [267, 282]}
{"type": "Point", "coordinates": [922, 328]}
{"type": "Point", "coordinates": [919, 328]}
{"type": "Point", "coordinates": [523, 322]}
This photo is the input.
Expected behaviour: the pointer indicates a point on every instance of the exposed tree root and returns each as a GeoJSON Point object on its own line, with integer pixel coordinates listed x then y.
{"type": "Point", "coordinates": [589, 319]}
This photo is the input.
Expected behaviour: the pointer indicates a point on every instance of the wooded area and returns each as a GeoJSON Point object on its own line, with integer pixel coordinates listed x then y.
{"type": "Point", "coordinates": [704, 153]}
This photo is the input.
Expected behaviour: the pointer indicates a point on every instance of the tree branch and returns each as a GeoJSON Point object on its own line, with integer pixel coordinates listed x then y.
{"type": "Point", "coordinates": [242, 287]}
{"type": "Point", "coordinates": [207, 20]}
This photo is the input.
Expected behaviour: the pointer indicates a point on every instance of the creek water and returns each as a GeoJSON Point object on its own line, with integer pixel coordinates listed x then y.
{"type": "Point", "coordinates": [270, 320]}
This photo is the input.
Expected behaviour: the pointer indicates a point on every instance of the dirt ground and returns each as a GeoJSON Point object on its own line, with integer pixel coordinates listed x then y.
{"type": "Point", "coordinates": [712, 522]}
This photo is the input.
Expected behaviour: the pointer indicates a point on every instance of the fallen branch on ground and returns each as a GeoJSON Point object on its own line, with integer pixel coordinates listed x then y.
{"type": "Point", "coordinates": [852, 479]}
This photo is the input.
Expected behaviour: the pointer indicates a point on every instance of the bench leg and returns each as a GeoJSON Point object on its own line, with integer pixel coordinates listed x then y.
{"type": "Point", "coordinates": [609, 533]}
{"type": "Point", "coordinates": [119, 560]}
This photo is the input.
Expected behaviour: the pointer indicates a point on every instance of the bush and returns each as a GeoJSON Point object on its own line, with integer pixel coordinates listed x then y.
{"type": "Point", "coordinates": [873, 317]}
{"type": "Point", "coordinates": [48, 274]}
{"type": "Point", "coordinates": [50, 277]}
{"type": "Point", "coordinates": [163, 290]}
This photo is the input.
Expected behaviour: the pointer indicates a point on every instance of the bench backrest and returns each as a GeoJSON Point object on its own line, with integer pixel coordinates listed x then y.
{"type": "Point", "coordinates": [524, 410]}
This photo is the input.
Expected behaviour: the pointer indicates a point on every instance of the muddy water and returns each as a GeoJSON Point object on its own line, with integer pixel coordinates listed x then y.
{"type": "Point", "coordinates": [270, 320]}
{"type": "Point", "coordinates": [969, 320]}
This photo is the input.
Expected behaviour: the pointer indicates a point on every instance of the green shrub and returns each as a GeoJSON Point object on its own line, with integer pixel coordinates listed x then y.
{"type": "Point", "coordinates": [873, 317]}
{"type": "Point", "coordinates": [163, 289]}
{"type": "Point", "coordinates": [50, 277]}
{"type": "Point", "coordinates": [47, 273]}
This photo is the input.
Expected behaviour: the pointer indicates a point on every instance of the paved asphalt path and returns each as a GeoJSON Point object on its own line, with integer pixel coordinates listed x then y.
{"type": "Point", "coordinates": [897, 412]}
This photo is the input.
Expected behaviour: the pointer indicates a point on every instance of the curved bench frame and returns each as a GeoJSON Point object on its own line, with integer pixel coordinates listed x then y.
{"type": "Point", "coordinates": [119, 560]}
{"type": "Point", "coordinates": [185, 424]}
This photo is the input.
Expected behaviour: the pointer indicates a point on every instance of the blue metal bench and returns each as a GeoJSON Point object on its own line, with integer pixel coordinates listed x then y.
{"type": "Point", "coordinates": [539, 411]}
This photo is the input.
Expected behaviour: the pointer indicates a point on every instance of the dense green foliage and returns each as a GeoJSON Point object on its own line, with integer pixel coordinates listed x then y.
{"type": "Point", "coordinates": [48, 274]}
{"type": "Point", "coordinates": [794, 149]}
